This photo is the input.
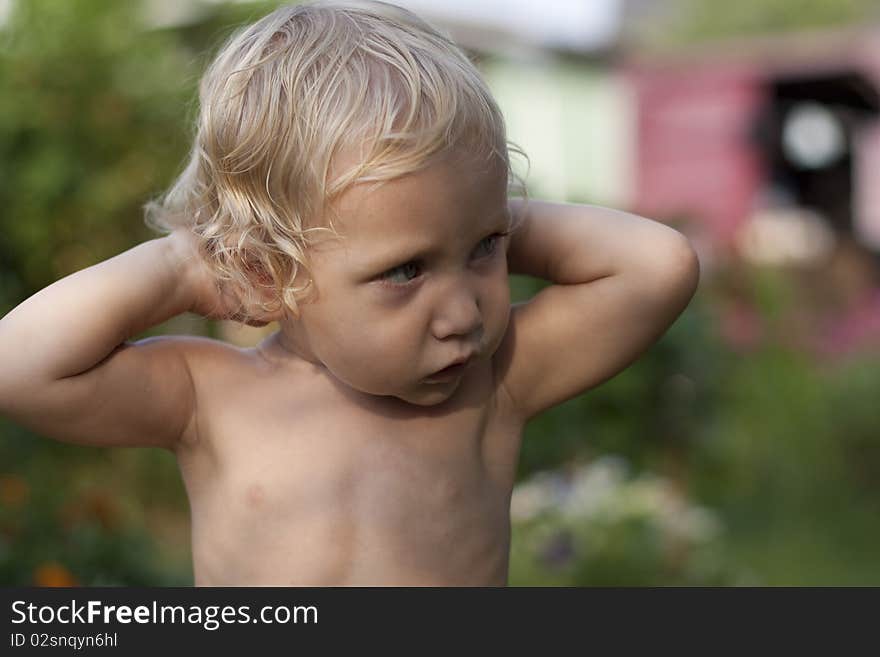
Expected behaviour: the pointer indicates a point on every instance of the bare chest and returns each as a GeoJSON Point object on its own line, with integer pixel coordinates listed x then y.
{"type": "Point", "coordinates": [349, 490]}
{"type": "Point", "coordinates": [383, 468]}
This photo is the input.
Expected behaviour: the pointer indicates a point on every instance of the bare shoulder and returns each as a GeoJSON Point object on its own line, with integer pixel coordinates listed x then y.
{"type": "Point", "coordinates": [212, 367]}
{"type": "Point", "coordinates": [144, 393]}
{"type": "Point", "coordinates": [212, 362]}
{"type": "Point", "coordinates": [202, 356]}
{"type": "Point", "coordinates": [202, 352]}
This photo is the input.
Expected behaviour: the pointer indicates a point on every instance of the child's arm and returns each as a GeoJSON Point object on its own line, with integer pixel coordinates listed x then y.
{"type": "Point", "coordinates": [67, 371]}
{"type": "Point", "coordinates": [620, 282]}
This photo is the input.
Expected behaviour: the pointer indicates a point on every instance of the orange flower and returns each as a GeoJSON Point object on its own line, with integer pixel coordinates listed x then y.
{"type": "Point", "coordinates": [13, 490]}
{"type": "Point", "coordinates": [104, 509]}
{"type": "Point", "coordinates": [95, 505]}
{"type": "Point", "coordinates": [53, 573]}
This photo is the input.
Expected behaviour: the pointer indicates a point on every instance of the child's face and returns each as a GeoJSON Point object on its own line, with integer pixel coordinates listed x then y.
{"type": "Point", "coordinates": [419, 281]}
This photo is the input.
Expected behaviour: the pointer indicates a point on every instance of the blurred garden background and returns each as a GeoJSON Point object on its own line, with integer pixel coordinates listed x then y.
{"type": "Point", "coordinates": [742, 449]}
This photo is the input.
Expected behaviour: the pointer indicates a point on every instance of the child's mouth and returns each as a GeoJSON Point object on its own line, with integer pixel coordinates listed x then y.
{"type": "Point", "coordinates": [449, 373]}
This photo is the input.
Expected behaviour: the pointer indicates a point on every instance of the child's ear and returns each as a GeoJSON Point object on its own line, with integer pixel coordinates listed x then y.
{"type": "Point", "coordinates": [263, 286]}
{"type": "Point", "coordinates": [256, 273]}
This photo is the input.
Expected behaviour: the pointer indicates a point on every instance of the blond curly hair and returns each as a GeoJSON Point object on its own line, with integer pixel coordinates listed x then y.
{"type": "Point", "coordinates": [282, 99]}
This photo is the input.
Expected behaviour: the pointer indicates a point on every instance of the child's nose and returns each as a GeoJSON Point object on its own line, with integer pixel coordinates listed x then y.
{"type": "Point", "coordinates": [458, 314]}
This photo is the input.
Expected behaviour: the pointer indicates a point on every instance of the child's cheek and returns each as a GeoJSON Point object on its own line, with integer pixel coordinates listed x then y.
{"type": "Point", "coordinates": [369, 358]}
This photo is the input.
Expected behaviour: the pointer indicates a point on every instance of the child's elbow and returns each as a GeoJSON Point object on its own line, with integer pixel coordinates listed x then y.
{"type": "Point", "coordinates": [680, 269]}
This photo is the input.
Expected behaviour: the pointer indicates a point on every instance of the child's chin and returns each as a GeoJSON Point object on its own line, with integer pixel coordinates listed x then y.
{"type": "Point", "coordinates": [430, 394]}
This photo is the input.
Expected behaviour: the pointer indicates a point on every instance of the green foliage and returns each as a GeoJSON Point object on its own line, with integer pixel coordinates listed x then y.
{"type": "Point", "coordinates": [703, 20]}
{"type": "Point", "coordinates": [595, 525]}
{"type": "Point", "coordinates": [100, 122]}
{"type": "Point", "coordinates": [74, 515]}
{"type": "Point", "coordinates": [96, 119]}
{"type": "Point", "coordinates": [779, 444]}
{"type": "Point", "coordinates": [95, 129]}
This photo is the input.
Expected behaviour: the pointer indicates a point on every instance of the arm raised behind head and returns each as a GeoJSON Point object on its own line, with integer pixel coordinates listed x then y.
{"type": "Point", "coordinates": [69, 372]}
{"type": "Point", "coordinates": [619, 282]}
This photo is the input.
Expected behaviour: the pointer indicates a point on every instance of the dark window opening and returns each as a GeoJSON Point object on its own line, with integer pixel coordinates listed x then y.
{"type": "Point", "coordinates": [806, 135]}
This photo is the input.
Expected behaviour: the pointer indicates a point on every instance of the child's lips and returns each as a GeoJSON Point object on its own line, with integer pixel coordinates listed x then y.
{"type": "Point", "coordinates": [450, 372]}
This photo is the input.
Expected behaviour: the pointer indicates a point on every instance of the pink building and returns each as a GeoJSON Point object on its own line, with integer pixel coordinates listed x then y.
{"type": "Point", "coordinates": [785, 123]}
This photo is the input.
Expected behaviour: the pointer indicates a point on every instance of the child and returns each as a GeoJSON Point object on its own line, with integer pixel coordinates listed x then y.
{"type": "Point", "coordinates": [349, 180]}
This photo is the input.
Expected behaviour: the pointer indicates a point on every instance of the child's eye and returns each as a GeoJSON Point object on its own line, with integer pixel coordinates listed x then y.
{"type": "Point", "coordinates": [391, 277]}
{"type": "Point", "coordinates": [492, 242]}
{"type": "Point", "coordinates": [405, 274]}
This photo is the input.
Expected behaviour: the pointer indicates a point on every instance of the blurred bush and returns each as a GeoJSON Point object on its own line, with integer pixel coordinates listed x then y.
{"type": "Point", "coordinates": [746, 420]}
{"type": "Point", "coordinates": [93, 129]}
{"type": "Point", "coordinates": [95, 119]}
{"type": "Point", "coordinates": [595, 525]}
{"type": "Point", "coordinates": [80, 516]}
{"type": "Point", "coordinates": [97, 114]}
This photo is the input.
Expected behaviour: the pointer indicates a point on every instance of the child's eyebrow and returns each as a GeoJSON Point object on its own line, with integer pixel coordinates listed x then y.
{"type": "Point", "coordinates": [381, 262]}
